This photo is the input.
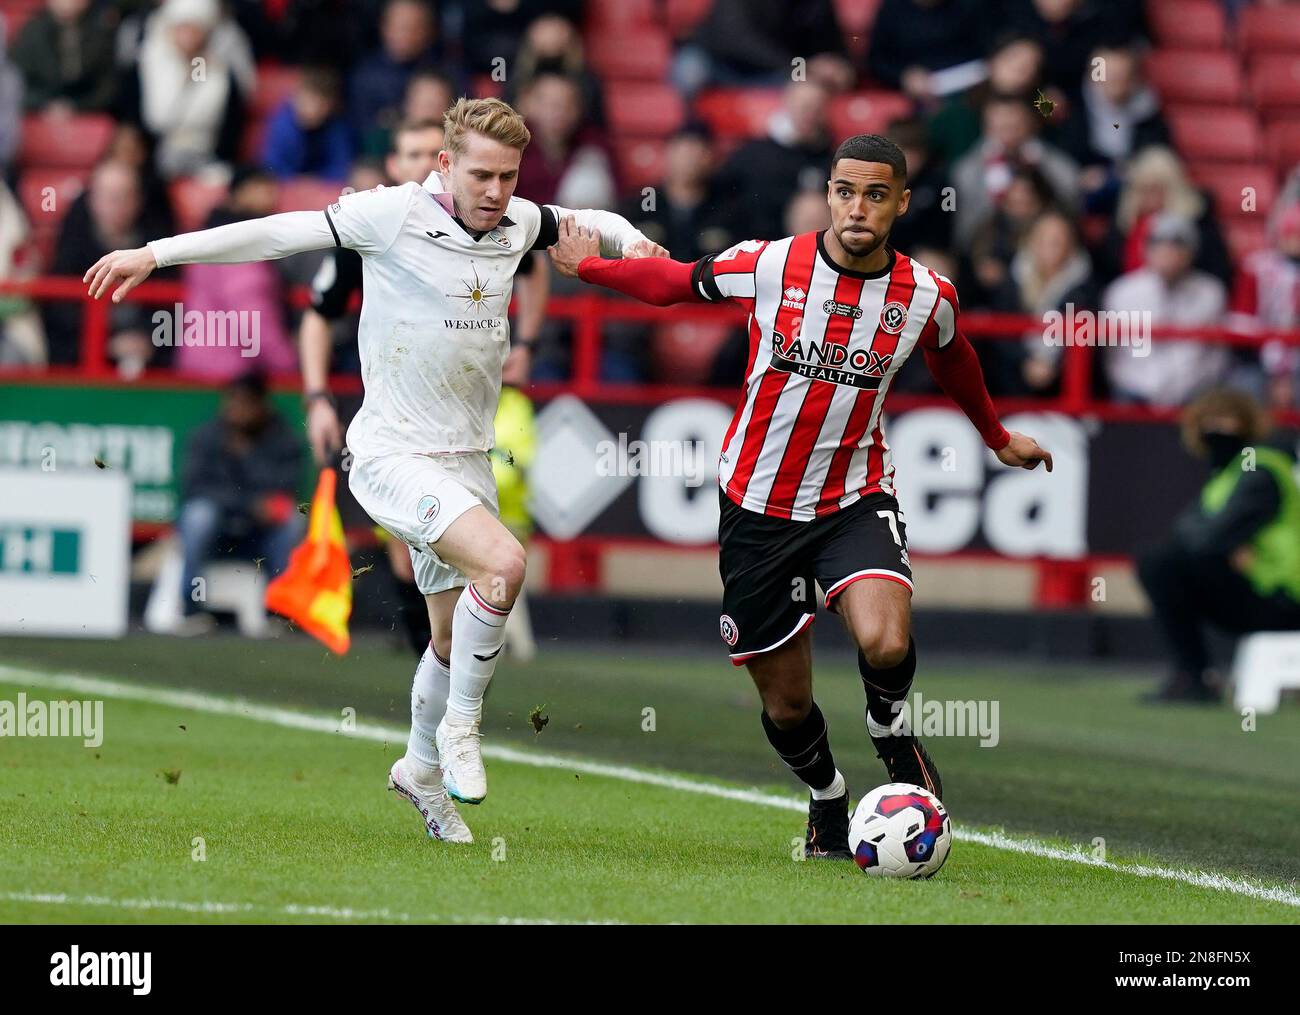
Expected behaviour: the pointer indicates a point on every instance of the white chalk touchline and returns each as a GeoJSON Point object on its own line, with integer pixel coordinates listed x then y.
{"type": "Point", "coordinates": [201, 702]}
{"type": "Point", "coordinates": [226, 908]}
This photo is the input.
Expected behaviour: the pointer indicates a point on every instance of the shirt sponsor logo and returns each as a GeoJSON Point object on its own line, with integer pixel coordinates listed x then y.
{"type": "Point", "coordinates": [830, 361]}
{"type": "Point", "coordinates": [841, 309]}
{"type": "Point", "coordinates": [482, 324]}
{"type": "Point", "coordinates": [892, 317]}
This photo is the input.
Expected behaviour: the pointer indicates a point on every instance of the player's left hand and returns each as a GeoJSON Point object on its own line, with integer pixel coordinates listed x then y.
{"type": "Point", "coordinates": [1023, 452]}
{"type": "Point", "coordinates": [574, 245]}
{"type": "Point", "coordinates": [644, 248]}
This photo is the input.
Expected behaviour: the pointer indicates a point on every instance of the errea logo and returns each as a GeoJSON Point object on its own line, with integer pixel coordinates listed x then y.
{"type": "Point", "coordinates": [793, 298]}
{"type": "Point", "coordinates": [75, 968]}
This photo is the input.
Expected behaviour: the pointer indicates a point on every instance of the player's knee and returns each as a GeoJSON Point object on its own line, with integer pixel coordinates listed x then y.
{"type": "Point", "coordinates": [787, 710]}
{"type": "Point", "coordinates": [885, 649]}
{"type": "Point", "coordinates": [504, 569]}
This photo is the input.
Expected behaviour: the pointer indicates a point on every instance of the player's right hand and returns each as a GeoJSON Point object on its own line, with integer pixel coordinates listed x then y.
{"type": "Point", "coordinates": [129, 267]}
{"type": "Point", "coordinates": [324, 433]}
{"type": "Point", "coordinates": [574, 245]}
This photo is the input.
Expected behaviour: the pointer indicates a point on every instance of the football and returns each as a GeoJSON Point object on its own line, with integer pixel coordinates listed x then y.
{"type": "Point", "coordinates": [900, 831]}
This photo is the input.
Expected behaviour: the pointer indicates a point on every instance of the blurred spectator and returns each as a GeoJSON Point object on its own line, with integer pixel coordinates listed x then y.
{"type": "Point", "coordinates": [796, 155]}
{"type": "Point", "coordinates": [1267, 295]}
{"type": "Point", "coordinates": [1171, 292]}
{"type": "Point", "coordinates": [227, 42]}
{"type": "Point", "coordinates": [755, 42]}
{"type": "Point", "coordinates": [807, 212]}
{"type": "Point", "coordinates": [254, 290]}
{"type": "Point", "coordinates": [490, 31]}
{"type": "Point", "coordinates": [429, 93]}
{"type": "Point", "coordinates": [552, 43]}
{"type": "Point", "coordinates": [1051, 273]}
{"type": "Point", "coordinates": [1000, 237]}
{"type": "Point", "coordinates": [565, 163]}
{"type": "Point", "coordinates": [407, 33]}
{"type": "Point", "coordinates": [11, 106]}
{"type": "Point", "coordinates": [1009, 141]}
{"type": "Point", "coordinates": [110, 215]}
{"type": "Point", "coordinates": [1233, 558]}
{"type": "Point", "coordinates": [929, 48]}
{"type": "Point", "coordinates": [239, 485]}
{"type": "Point", "coordinates": [307, 136]}
{"type": "Point", "coordinates": [1070, 30]}
{"type": "Point", "coordinates": [1015, 67]}
{"type": "Point", "coordinates": [184, 93]}
{"type": "Point", "coordinates": [1156, 182]}
{"type": "Point", "coordinates": [684, 212]}
{"type": "Point", "coordinates": [927, 221]}
{"type": "Point", "coordinates": [22, 339]}
{"type": "Point", "coordinates": [1115, 117]}
{"type": "Point", "coordinates": [65, 54]}
{"type": "Point", "coordinates": [133, 147]}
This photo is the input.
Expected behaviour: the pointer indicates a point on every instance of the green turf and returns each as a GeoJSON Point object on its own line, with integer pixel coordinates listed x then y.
{"type": "Point", "coordinates": [299, 819]}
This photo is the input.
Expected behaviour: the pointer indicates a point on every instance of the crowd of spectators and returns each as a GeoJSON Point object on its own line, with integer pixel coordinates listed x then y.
{"type": "Point", "coordinates": [1038, 182]}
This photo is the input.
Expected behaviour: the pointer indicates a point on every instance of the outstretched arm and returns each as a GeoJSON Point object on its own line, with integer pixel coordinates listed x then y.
{"type": "Point", "coordinates": [616, 235]}
{"type": "Point", "coordinates": [656, 280]}
{"type": "Point", "coordinates": [263, 239]}
{"type": "Point", "coordinates": [957, 369]}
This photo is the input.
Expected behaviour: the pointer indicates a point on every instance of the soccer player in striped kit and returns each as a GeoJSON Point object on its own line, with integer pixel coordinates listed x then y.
{"type": "Point", "coordinates": [806, 473]}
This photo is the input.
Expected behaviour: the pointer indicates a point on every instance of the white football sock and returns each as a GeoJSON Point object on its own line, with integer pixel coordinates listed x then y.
{"type": "Point", "coordinates": [428, 703]}
{"type": "Point", "coordinates": [835, 789]}
{"type": "Point", "coordinates": [478, 630]}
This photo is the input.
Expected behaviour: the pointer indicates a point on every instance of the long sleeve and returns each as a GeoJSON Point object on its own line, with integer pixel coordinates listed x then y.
{"type": "Point", "coordinates": [957, 369]}
{"type": "Point", "coordinates": [264, 239]}
{"type": "Point", "coordinates": [616, 232]}
{"type": "Point", "coordinates": [660, 281]}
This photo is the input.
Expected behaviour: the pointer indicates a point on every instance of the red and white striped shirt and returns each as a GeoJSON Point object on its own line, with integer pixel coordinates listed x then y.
{"type": "Point", "coordinates": [825, 342]}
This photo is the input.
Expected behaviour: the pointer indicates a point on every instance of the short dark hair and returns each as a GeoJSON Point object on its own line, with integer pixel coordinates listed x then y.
{"type": "Point", "coordinates": [872, 148]}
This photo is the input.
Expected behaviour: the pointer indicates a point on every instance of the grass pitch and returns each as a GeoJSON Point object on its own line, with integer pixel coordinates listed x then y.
{"type": "Point", "coordinates": [293, 824]}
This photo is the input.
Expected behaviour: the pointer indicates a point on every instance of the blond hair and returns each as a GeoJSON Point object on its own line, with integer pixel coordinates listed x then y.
{"type": "Point", "coordinates": [1159, 165]}
{"type": "Point", "coordinates": [489, 117]}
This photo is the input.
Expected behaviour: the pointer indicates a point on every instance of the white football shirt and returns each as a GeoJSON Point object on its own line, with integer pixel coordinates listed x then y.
{"type": "Point", "coordinates": [434, 329]}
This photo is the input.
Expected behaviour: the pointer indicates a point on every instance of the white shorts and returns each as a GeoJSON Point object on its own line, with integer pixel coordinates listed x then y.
{"type": "Point", "coordinates": [415, 497]}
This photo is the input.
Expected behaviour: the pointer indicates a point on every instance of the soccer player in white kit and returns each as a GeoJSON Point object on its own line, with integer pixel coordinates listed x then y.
{"type": "Point", "coordinates": [438, 266]}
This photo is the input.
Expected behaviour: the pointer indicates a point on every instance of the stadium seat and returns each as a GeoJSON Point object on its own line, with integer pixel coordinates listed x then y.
{"type": "Point", "coordinates": [16, 14]}
{"type": "Point", "coordinates": [1264, 665]}
{"type": "Point", "coordinates": [1188, 23]}
{"type": "Point", "coordinates": [1185, 75]}
{"type": "Point", "coordinates": [1284, 144]}
{"type": "Point", "coordinates": [193, 200]}
{"type": "Point", "coordinates": [1275, 81]}
{"type": "Point", "coordinates": [684, 15]}
{"type": "Point", "coordinates": [683, 352]}
{"type": "Point", "coordinates": [738, 112]}
{"type": "Point", "coordinates": [640, 161]}
{"type": "Point", "coordinates": [866, 112]}
{"type": "Point", "coordinates": [624, 13]}
{"type": "Point", "coordinates": [64, 142]}
{"type": "Point", "coordinates": [486, 88]}
{"type": "Point", "coordinates": [1264, 29]}
{"type": "Point", "coordinates": [46, 195]}
{"type": "Point", "coordinates": [1244, 237]}
{"type": "Point", "coordinates": [643, 108]}
{"type": "Point", "coordinates": [1219, 134]}
{"type": "Point", "coordinates": [274, 84]}
{"type": "Point", "coordinates": [613, 59]}
{"type": "Point", "coordinates": [306, 193]}
{"type": "Point", "coordinates": [1227, 185]}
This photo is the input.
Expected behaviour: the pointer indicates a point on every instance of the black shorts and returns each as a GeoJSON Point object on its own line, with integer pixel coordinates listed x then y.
{"type": "Point", "coordinates": [768, 566]}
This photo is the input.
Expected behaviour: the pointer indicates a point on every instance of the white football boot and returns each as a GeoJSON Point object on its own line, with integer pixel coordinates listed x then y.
{"type": "Point", "coordinates": [461, 757]}
{"type": "Point", "coordinates": [441, 819]}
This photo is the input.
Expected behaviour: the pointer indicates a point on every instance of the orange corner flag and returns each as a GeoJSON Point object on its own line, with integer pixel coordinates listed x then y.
{"type": "Point", "coordinates": [315, 591]}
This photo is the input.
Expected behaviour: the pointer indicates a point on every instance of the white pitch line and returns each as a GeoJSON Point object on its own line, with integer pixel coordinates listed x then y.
{"type": "Point", "coordinates": [226, 908]}
{"type": "Point", "coordinates": [201, 702]}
